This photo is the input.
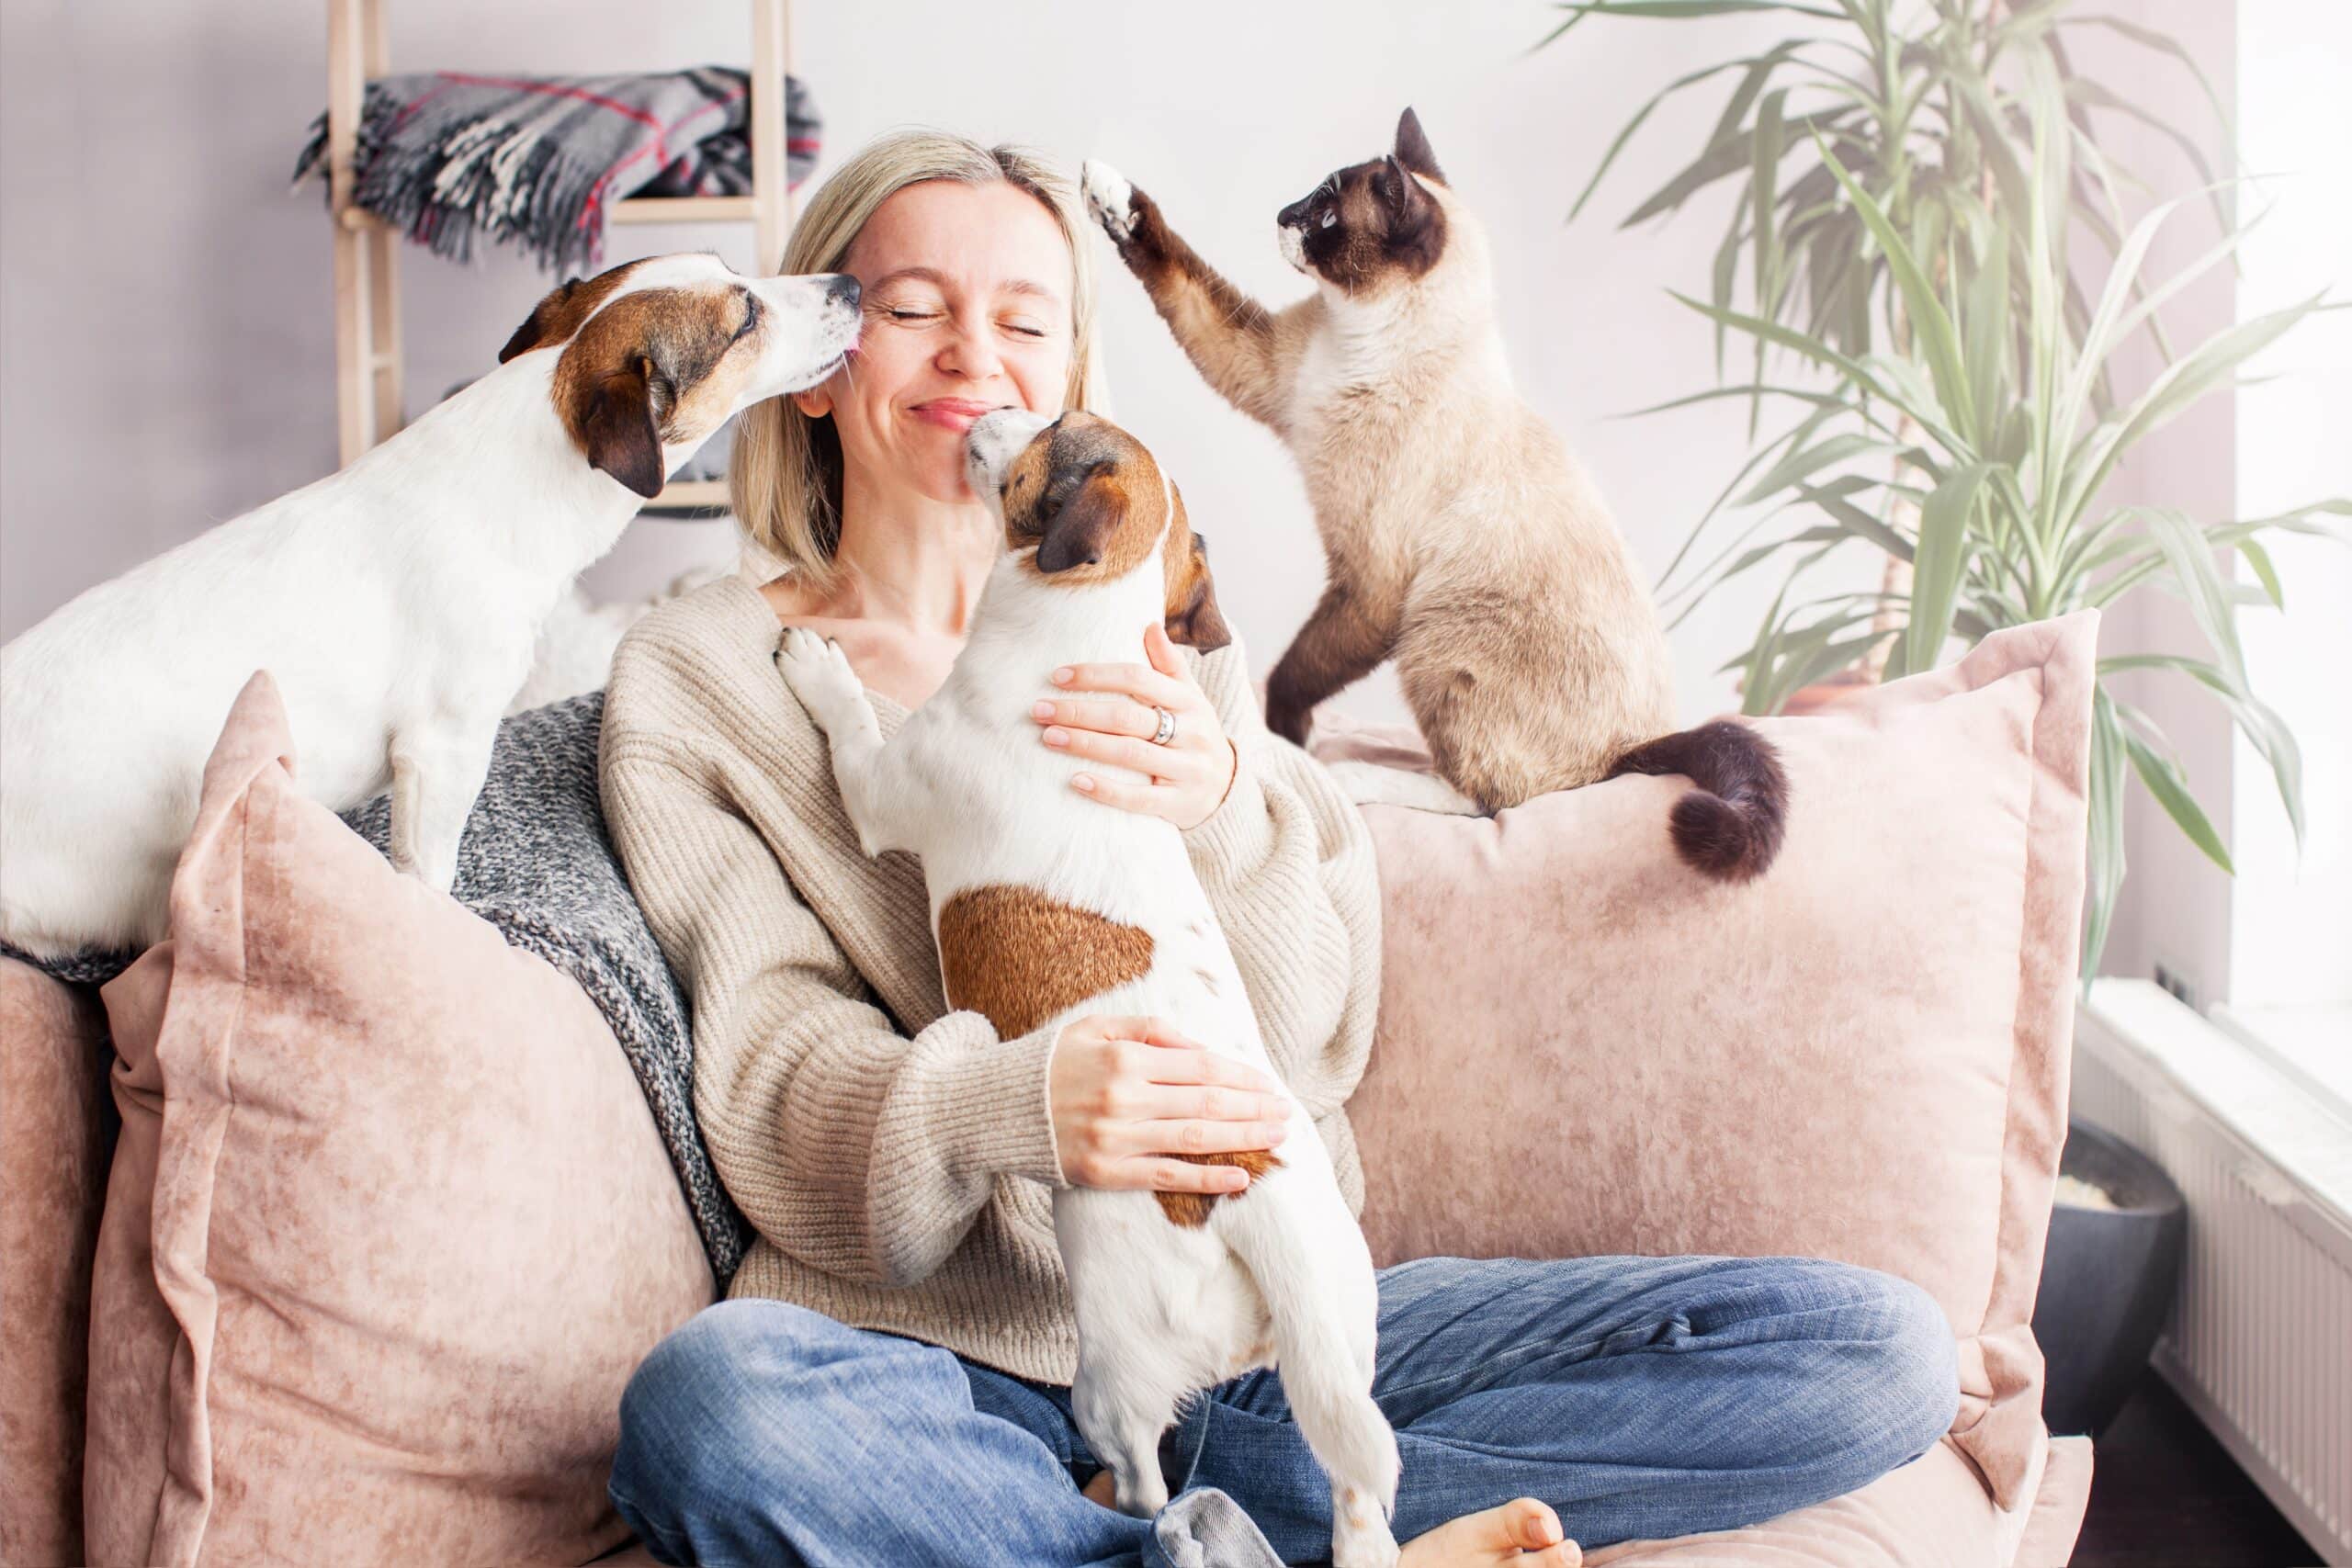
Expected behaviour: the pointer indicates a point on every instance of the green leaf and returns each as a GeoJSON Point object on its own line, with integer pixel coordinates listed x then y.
{"type": "Point", "coordinates": [2151, 39]}
{"type": "Point", "coordinates": [2262, 727]}
{"type": "Point", "coordinates": [2191, 559]}
{"type": "Point", "coordinates": [2259, 560]}
{"type": "Point", "coordinates": [2105, 803]}
{"type": "Point", "coordinates": [1774, 55]}
{"type": "Point", "coordinates": [1811, 460]}
{"type": "Point", "coordinates": [1944, 554]}
{"type": "Point", "coordinates": [1855, 521]}
{"type": "Point", "coordinates": [1931, 325]}
{"type": "Point", "coordinates": [1929, 417]}
{"type": "Point", "coordinates": [1726, 155]}
{"type": "Point", "coordinates": [2182, 384]}
{"type": "Point", "coordinates": [2165, 781]}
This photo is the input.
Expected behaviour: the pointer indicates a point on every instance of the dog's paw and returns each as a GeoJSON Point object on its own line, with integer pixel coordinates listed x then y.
{"type": "Point", "coordinates": [1111, 199]}
{"type": "Point", "coordinates": [819, 673]}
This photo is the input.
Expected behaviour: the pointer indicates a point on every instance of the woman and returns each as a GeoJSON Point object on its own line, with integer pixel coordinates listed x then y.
{"type": "Point", "coordinates": [889, 1383]}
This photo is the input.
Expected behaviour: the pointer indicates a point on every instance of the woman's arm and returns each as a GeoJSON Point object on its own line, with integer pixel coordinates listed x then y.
{"type": "Point", "coordinates": [852, 1147]}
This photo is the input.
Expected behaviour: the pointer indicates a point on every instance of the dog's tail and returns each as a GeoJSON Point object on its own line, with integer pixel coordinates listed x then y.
{"type": "Point", "coordinates": [1730, 825]}
{"type": "Point", "coordinates": [1325, 1358]}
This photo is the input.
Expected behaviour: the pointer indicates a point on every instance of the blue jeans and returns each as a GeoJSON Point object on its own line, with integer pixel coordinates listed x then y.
{"type": "Point", "coordinates": [1639, 1396]}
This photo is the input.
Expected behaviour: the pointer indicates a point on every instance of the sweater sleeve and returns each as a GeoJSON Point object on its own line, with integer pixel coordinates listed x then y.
{"type": "Point", "coordinates": [1287, 864]}
{"type": "Point", "coordinates": [855, 1148]}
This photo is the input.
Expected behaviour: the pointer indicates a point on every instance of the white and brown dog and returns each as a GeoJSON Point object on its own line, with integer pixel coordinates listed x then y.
{"type": "Point", "coordinates": [1048, 906]}
{"type": "Point", "coordinates": [396, 603]}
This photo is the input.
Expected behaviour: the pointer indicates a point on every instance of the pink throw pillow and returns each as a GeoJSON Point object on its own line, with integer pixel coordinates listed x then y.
{"type": "Point", "coordinates": [1585, 1048]}
{"type": "Point", "coordinates": [54, 1131]}
{"type": "Point", "coordinates": [388, 1224]}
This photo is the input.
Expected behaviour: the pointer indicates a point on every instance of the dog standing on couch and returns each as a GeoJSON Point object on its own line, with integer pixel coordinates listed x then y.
{"type": "Point", "coordinates": [1046, 906]}
{"type": "Point", "coordinates": [396, 603]}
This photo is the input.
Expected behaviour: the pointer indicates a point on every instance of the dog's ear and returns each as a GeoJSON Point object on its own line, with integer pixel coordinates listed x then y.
{"type": "Point", "coordinates": [1080, 532]}
{"type": "Point", "coordinates": [1413, 148]}
{"type": "Point", "coordinates": [618, 421]}
{"type": "Point", "coordinates": [1197, 622]}
{"type": "Point", "coordinates": [539, 327]}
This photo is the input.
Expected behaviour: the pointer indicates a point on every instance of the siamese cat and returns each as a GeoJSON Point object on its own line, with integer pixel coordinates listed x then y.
{"type": "Point", "coordinates": [1461, 538]}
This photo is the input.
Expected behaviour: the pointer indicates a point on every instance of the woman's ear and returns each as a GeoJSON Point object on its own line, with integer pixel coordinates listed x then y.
{"type": "Point", "coordinates": [815, 403]}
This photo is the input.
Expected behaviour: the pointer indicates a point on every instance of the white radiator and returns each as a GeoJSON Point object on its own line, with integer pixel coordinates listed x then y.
{"type": "Point", "coordinates": [2259, 1342]}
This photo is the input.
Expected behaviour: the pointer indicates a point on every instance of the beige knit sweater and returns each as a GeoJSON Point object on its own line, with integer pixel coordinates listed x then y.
{"type": "Point", "coordinates": [896, 1158]}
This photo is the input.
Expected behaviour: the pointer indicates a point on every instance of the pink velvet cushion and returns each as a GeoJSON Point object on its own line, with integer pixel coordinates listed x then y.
{"type": "Point", "coordinates": [54, 1127]}
{"type": "Point", "coordinates": [1587, 1048]}
{"type": "Point", "coordinates": [388, 1224]}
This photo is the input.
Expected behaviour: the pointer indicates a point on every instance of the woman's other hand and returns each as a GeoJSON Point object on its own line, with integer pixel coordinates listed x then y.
{"type": "Point", "coordinates": [1189, 777]}
{"type": "Point", "coordinates": [1130, 1094]}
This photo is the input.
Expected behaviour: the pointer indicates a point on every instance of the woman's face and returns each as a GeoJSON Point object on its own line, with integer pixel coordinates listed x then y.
{"type": "Point", "coordinates": [967, 296]}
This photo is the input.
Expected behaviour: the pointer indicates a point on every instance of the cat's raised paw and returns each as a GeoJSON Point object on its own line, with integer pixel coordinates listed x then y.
{"type": "Point", "coordinates": [1111, 199]}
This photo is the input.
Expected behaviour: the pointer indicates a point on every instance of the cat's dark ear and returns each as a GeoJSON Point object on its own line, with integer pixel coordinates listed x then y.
{"type": "Point", "coordinates": [1413, 149]}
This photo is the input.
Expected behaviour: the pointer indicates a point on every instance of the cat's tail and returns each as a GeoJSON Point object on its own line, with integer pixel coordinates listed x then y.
{"type": "Point", "coordinates": [1730, 824]}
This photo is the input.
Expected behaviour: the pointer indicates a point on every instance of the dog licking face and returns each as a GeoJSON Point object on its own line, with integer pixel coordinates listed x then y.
{"type": "Point", "coordinates": [1092, 504]}
{"type": "Point", "coordinates": [659, 354]}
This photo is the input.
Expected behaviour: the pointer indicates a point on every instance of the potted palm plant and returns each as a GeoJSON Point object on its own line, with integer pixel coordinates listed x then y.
{"type": "Point", "coordinates": [1905, 221]}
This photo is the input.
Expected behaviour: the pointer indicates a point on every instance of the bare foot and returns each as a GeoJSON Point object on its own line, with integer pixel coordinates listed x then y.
{"type": "Point", "coordinates": [1522, 1533]}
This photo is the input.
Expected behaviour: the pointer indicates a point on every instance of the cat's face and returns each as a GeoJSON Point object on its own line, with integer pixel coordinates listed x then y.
{"type": "Point", "coordinates": [1373, 225]}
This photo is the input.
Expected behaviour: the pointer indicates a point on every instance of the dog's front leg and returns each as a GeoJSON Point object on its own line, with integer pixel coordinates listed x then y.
{"type": "Point", "coordinates": [436, 780]}
{"type": "Point", "coordinates": [819, 673]}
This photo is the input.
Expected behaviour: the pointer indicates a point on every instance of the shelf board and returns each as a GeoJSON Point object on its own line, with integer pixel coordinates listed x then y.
{"type": "Point", "coordinates": [683, 209]}
{"type": "Point", "coordinates": [692, 492]}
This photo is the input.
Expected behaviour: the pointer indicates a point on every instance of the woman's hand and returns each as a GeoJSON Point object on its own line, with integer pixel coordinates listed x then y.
{"type": "Point", "coordinates": [1128, 1093]}
{"type": "Point", "coordinates": [1189, 777]}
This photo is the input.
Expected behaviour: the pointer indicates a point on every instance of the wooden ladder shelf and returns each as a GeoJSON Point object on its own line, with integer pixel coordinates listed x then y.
{"type": "Point", "coordinates": [368, 372]}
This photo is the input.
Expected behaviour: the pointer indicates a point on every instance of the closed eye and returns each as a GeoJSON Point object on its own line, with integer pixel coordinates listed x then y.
{"type": "Point", "coordinates": [751, 316]}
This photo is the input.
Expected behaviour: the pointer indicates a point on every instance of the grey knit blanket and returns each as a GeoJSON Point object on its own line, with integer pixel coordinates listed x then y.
{"type": "Point", "coordinates": [535, 160]}
{"type": "Point", "coordinates": [536, 862]}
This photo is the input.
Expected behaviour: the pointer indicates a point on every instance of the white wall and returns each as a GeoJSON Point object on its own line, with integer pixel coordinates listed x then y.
{"type": "Point", "coordinates": [165, 304]}
{"type": "Point", "coordinates": [2292, 918]}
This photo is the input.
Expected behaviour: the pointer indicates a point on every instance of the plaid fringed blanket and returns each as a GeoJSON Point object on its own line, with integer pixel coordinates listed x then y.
{"type": "Point", "coordinates": [447, 155]}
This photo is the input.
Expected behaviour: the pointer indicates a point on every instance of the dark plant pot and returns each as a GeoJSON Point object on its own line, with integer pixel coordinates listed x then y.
{"type": "Point", "coordinates": [2108, 1279]}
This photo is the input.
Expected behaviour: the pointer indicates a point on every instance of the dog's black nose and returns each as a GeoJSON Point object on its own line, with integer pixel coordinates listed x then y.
{"type": "Point", "coordinates": [843, 287]}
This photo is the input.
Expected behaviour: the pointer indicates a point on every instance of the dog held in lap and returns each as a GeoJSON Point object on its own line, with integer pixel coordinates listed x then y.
{"type": "Point", "coordinates": [396, 604]}
{"type": "Point", "coordinates": [1461, 537]}
{"type": "Point", "coordinates": [1048, 907]}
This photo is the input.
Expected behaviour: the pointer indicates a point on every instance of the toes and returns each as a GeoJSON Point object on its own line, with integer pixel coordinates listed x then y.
{"type": "Point", "coordinates": [1110, 197]}
{"type": "Point", "coordinates": [1566, 1554]}
{"type": "Point", "coordinates": [1532, 1523]}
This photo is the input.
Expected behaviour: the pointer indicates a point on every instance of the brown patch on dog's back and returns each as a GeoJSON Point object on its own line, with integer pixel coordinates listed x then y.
{"type": "Point", "coordinates": [1191, 1209]}
{"type": "Point", "coordinates": [1020, 957]}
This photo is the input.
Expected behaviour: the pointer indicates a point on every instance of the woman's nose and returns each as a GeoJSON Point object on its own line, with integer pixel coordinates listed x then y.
{"type": "Point", "coordinates": [969, 351]}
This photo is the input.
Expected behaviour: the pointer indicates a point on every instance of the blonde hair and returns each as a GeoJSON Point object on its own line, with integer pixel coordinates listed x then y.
{"type": "Point", "coordinates": [784, 474]}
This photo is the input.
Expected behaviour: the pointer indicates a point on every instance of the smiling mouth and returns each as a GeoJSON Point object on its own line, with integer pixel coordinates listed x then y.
{"type": "Point", "coordinates": [955, 413]}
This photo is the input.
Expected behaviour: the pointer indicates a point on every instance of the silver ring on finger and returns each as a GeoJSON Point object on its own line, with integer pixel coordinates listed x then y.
{"type": "Point", "coordinates": [1167, 730]}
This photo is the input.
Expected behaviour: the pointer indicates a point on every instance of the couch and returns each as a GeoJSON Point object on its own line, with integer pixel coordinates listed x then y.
{"type": "Point", "coordinates": [292, 1275]}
